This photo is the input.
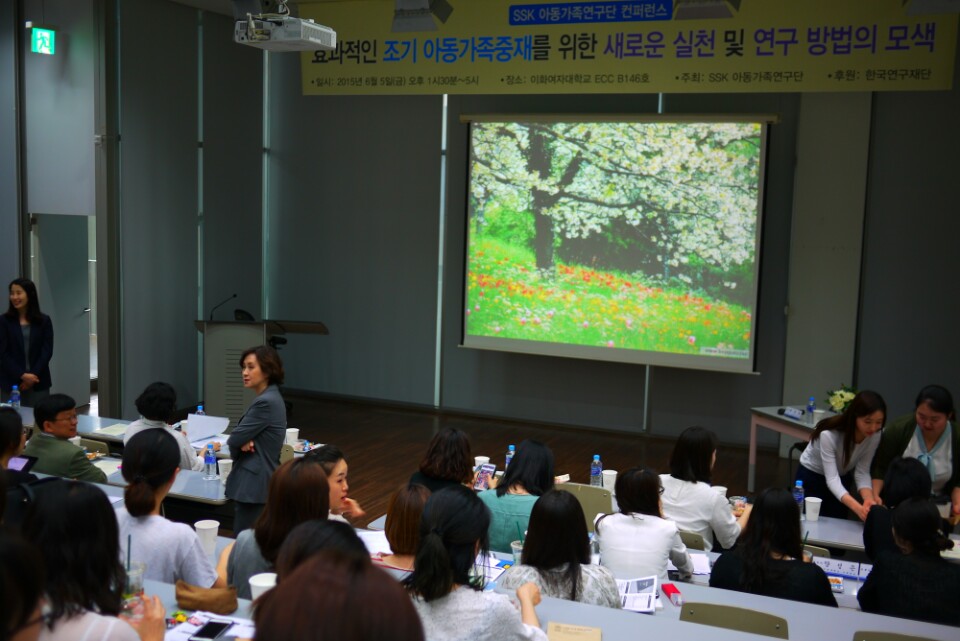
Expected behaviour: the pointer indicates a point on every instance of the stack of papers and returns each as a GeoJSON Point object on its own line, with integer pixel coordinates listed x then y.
{"type": "Point", "coordinates": [118, 429]}
{"type": "Point", "coordinates": [638, 595]}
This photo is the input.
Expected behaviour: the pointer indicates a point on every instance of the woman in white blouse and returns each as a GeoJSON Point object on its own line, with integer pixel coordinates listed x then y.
{"type": "Point", "coordinates": [447, 586]}
{"type": "Point", "coordinates": [688, 498]}
{"type": "Point", "coordinates": [841, 447]}
{"type": "Point", "coordinates": [638, 541]}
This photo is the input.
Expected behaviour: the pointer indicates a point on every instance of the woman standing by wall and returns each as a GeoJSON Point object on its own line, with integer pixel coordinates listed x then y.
{"type": "Point", "coordinates": [27, 345]}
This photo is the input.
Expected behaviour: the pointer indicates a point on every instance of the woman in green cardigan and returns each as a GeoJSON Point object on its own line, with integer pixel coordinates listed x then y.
{"type": "Point", "coordinates": [930, 435]}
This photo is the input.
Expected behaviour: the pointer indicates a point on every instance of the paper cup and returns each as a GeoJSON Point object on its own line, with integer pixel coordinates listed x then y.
{"type": "Point", "coordinates": [260, 583]}
{"type": "Point", "coordinates": [207, 532]}
{"type": "Point", "coordinates": [480, 460]}
{"type": "Point", "coordinates": [812, 504]}
{"type": "Point", "coordinates": [293, 435]}
{"type": "Point", "coordinates": [819, 415]}
{"type": "Point", "coordinates": [609, 479]}
{"type": "Point", "coordinates": [75, 440]}
{"type": "Point", "coordinates": [721, 490]}
{"type": "Point", "coordinates": [517, 548]}
{"type": "Point", "coordinates": [225, 466]}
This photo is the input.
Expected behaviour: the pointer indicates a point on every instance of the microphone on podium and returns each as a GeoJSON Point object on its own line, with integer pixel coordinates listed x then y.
{"type": "Point", "coordinates": [221, 304]}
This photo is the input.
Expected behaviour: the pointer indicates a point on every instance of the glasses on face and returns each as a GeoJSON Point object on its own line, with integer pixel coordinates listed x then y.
{"type": "Point", "coordinates": [71, 418]}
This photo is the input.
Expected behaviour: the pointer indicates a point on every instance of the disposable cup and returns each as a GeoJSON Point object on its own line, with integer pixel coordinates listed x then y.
{"type": "Point", "coordinates": [207, 533]}
{"type": "Point", "coordinates": [75, 440]}
{"type": "Point", "coordinates": [260, 583]}
{"type": "Point", "coordinates": [807, 556]}
{"type": "Point", "coordinates": [721, 490]}
{"type": "Point", "coordinates": [480, 460]}
{"type": "Point", "coordinates": [813, 507]}
{"type": "Point", "coordinates": [293, 435]}
{"type": "Point", "coordinates": [225, 466]}
{"type": "Point", "coordinates": [609, 479]}
{"type": "Point", "coordinates": [134, 585]}
{"type": "Point", "coordinates": [517, 548]}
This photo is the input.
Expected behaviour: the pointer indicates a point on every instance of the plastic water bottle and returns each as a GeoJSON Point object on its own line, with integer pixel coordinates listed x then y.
{"type": "Point", "coordinates": [15, 396]}
{"type": "Point", "coordinates": [811, 410]}
{"type": "Point", "coordinates": [798, 497]}
{"type": "Point", "coordinates": [596, 471]}
{"type": "Point", "coordinates": [200, 411]}
{"type": "Point", "coordinates": [209, 464]}
{"type": "Point", "coordinates": [511, 450]}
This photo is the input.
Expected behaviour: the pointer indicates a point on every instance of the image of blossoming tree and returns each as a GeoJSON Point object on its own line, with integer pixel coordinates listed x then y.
{"type": "Point", "coordinates": [628, 235]}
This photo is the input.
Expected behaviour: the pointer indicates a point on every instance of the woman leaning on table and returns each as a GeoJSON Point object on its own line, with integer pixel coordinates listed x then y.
{"type": "Point", "coordinates": [26, 335]}
{"type": "Point", "coordinates": [840, 451]}
{"type": "Point", "coordinates": [929, 435]}
{"type": "Point", "coordinates": [256, 440]}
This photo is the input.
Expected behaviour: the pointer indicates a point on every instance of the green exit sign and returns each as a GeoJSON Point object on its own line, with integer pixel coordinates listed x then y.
{"type": "Point", "coordinates": [43, 40]}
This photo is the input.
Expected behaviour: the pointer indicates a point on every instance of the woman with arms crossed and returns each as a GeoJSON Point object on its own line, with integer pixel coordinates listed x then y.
{"type": "Point", "coordinates": [256, 440]}
{"type": "Point", "coordinates": [843, 446]}
{"type": "Point", "coordinates": [27, 339]}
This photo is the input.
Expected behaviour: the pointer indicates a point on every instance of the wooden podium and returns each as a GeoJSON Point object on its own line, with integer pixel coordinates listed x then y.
{"type": "Point", "coordinates": [223, 343]}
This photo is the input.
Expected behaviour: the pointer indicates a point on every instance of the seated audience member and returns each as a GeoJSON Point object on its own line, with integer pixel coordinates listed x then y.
{"type": "Point", "coordinates": [906, 478]}
{"type": "Point", "coordinates": [75, 529]}
{"type": "Point", "coordinates": [56, 418]}
{"type": "Point", "coordinates": [638, 541]}
{"type": "Point", "coordinates": [310, 538]}
{"type": "Point", "coordinates": [21, 584]}
{"type": "Point", "coordinates": [403, 527]}
{"type": "Point", "coordinates": [556, 555]}
{"type": "Point", "coordinates": [297, 492]}
{"type": "Point", "coordinates": [916, 582]}
{"type": "Point", "coordinates": [768, 559]}
{"type": "Point", "coordinates": [332, 461]}
{"type": "Point", "coordinates": [931, 435]}
{"type": "Point", "coordinates": [530, 474]}
{"type": "Point", "coordinates": [448, 461]}
{"type": "Point", "coordinates": [157, 404]}
{"type": "Point", "coordinates": [689, 500]}
{"type": "Point", "coordinates": [446, 587]}
{"type": "Point", "coordinates": [13, 438]}
{"type": "Point", "coordinates": [332, 597]}
{"type": "Point", "coordinates": [171, 551]}
{"type": "Point", "coordinates": [839, 455]}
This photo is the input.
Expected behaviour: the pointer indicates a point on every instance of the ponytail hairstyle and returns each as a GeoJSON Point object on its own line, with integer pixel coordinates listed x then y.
{"type": "Point", "coordinates": [150, 459]}
{"type": "Point", "coordinates": [863, 404]}
{"type": "Point", "coordinates": [453, 531]}
{"type": "Point", "coordinates": [917, 521]}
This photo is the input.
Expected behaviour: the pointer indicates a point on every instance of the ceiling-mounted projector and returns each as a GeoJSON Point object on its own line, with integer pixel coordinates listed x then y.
{"type": "Point", "coordinates": [284, 33]}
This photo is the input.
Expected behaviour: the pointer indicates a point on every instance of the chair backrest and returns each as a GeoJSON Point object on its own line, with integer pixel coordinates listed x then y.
{"type": "Point", "coordinates": [816, 550]}
{"type": "Point", "coordinates": [94, 446]}
{"type": "Point", "coordinates": [877, 635]}
{"type": "Point", "coordinates": [733, 618]}
{"type": "Point", "coordinates": [286, 453]}
{"type": "Point", "coordinates": [594, 500]}
{"type": "Point", "coordinates": [692, 540]}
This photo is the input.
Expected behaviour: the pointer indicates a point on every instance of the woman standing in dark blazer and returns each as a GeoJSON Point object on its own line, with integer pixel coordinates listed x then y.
{"type": "Point", "coordinates": [256, 440]}
{"type": "Point", "coordinates": [26, 343]}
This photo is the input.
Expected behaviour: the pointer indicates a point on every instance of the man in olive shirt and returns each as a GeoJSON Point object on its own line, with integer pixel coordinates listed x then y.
{"type": "Point", "coordinates": [56, 416]}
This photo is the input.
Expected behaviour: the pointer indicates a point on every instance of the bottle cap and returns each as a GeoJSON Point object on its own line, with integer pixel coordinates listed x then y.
{"type": "Point", "coordinates": [199, 408]}
{"type": "Point", "coordinates": [511, 447]}
{"type": "Point", "coordinates": [596, 457]}
{"type": "Point", "coordinates": [799, 483]}
{"type": "Point", "coordinates": [16, 387]}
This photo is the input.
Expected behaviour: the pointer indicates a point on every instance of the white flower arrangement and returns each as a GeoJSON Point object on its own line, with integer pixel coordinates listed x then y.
{"type": "Point", "coordinates": [839, 399]}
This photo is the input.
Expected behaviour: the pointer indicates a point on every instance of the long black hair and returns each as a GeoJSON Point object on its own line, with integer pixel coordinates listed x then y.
{"type": "Point", "coordinates": [76, 528]}
{"type": "Point", "coordinates": [692, 457]}
{"type": "Point", "coordinates": [531, 468]}
{"type": "Point", "coordinates": [557, 536]}
{"type": "Point", "coordinates": [453, 530]}
{"type": "Point", "coordinates": [150, 459]}
{"type": "Point", "coordinates": [773, 528]}
{"type": "Point", "coordinates": [21, 583]}
{"type": "Point", "coordinates": [34, 316]}
{"type": "Point", "coordinates": [863, 404]}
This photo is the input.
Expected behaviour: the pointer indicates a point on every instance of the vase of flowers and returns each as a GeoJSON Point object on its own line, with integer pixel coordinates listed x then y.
{"type": "Point", "coordinates": [840, 398]}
